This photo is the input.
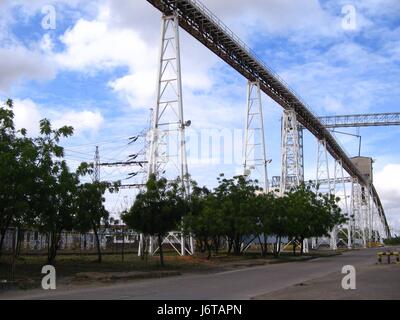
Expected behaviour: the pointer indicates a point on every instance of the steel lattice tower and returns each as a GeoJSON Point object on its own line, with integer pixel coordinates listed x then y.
{"type": "Point", "coordinates": [291, 166]}
{"type": "Point", "coordinates": [358, 212]}
{"type": "Point", "coordinates": [96, 169]}
{"type": "Point", "coordinates": [255, 161]}
{"type": "Point", "coordinates": [292, 174]}
{"type": "Point", "coordinates": [339, 180]}
{"type": "Point", "coordinates": [324, 183]}
{"type": "Point", "coordinates": [167, 135]}
{"type": "Point", "coordinates": [167, 154]}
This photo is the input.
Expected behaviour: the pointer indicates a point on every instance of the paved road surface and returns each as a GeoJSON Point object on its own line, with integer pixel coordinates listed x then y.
{"type": "Point", "coordinates": [238, 284]}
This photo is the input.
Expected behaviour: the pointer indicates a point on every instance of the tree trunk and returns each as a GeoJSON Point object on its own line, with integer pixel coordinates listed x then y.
{"type": "Point", "coordinates": [99, 257]}
{"type": "Point", "coordinates": [209, 249]}
{"type": "Point", "coordinates": [280, 245]}
{"type": "Point", "coordinates": [301, 246]}
{"type": "Point", "coordinates": [3, 235]}
{"type": "Point", "coordinates": [161, 250]}
{"type": "Point", "coordinates": [263, 245]}
{"type": "Point", "coordinates": [52, 253]}
{"type": "Point", "coordinates": [202, 246]}
{"type": "Point", "coordinates": [19, 242]}
{"type": "Point", "coordinates": [237, 245]}
{"type": "Point", "coordinates": [14, 253]}
{"type": "Point", "coordinates": [4, 231]}
{"type": "Point", "coordinates": [294, 246]}
{"type": "Point", "coordinates": [48, 240]}
{"type": "Point", "coordinates": [143, 253]}
{"type": "Point", "coordinates": [216, 244]}
{"type": "Point", "coordinates": [230, 245]}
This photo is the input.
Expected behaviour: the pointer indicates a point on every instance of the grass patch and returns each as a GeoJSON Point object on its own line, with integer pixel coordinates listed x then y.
{"type": "Point", "coordinates": [28, 268]}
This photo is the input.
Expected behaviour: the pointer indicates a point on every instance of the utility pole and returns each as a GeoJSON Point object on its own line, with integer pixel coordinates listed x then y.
{"type": "Point", "coordinates": [96, 172]}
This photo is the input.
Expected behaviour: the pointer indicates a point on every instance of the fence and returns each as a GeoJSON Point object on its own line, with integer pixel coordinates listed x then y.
{"type": "Point", "coordinates": [34, 242]}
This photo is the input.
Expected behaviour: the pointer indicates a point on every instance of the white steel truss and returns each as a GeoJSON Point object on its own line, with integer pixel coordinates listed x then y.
{"type": "Point", "coordinates": [357, 211]}
{"type": "Point", "coordinates": [167, 154]}
{"type": "Point", "coordinates": [291, 167]}
{"type": "Point", "coordinates": [292, 173]}
{"type": "Point", "coordinates": [325, 185]}
{"type": "Point", "coordinates": [367, 207]}
{"type": "Point", "coordinates": [255, 161]}
{"type": "Point", "coordinates": [323, 169]}
{"type": "Point", "coordinates": [167, 140]}
{"type": "Point", "coordinates": [340, 181]}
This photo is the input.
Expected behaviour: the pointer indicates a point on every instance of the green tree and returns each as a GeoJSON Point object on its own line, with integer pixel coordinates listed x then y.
{"type": "Point", "coordinates": [265, 206]}
{"type": "Point", "coordinates": [204, 220]}
{"type": "Point", "coordinates": [91, 213]}
{"type": "Point", "coordinates": [55, 197]}
{"type": "Point", "coordinates": [276, 220]}
{"type": "Point", "coordinates": [311, 214]}
{"type": "Point", "coordinates": [157, 210]}
{"type": "Point", "coordinates": [17, 172]}
{"type": "Point", "coordinates": [235, 200]}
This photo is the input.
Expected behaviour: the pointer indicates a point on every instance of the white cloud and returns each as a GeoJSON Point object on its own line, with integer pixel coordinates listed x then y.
{"type": "Point", "coordinates": [95, 45]}
{"type": "Point", "coordinates": [347, 77]}
{"type": "Point", "coordinates": [135, 88]}
{"type": "Point", "coordinates": [81, 121]}
{"type": "Point", "coordinates": [28, 114]}
{"type": "Point", "coordinates": [387, 182]}
{"type": "Point", "coordinates": [19, 63]}
{"type": "Point", "coordinates": [92, 45]}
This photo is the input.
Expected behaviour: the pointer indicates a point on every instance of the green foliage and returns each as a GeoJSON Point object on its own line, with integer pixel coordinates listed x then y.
{"type": "Point", "coordinates": [311, 214]}
{"type": "Point", "coordinates": [38, 189]}
{"type": "Point", "coordinates": [157, 210]}
{"type": "Point", "coordinates": [91, 213]}
{"type": "Point", "coordinates": [17, 171]}
{"type": "Point", "coordinates": [393, 241]}
{"type": "Point", "coordinates": [236, 203]}
{"type": "Point", "coordinates": [238, 210]}
{"type": "Point", "coordinates": [206, 223]}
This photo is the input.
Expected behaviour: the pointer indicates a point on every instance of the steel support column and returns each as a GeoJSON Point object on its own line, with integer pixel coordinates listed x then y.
{"type": "Point", "coordinates": [167, 154]}
{"type": "Point", "coordinates": [255, 158]}
{"type": "Point", "coordinates": [323, 174]}
{"type": "Point", "coordinates": [291, 172]}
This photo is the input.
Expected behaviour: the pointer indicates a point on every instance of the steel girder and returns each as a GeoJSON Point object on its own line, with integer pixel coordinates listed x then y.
{"type": "Point", "coordinates": [362, 120]}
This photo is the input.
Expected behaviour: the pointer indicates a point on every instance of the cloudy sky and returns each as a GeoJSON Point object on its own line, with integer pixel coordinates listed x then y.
{"type": "Point", "coordinates": [94, 67]}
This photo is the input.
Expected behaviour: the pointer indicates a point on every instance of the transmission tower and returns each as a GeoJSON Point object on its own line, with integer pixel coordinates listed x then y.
{"type": "Point", "coordinates": [167, 135]}
{"type": "Point", "coordinates": [358, 210]}
{"type": "Point", "coordinates": [325, 185]}
{"type": "Point", "coordinates": [255, 161]}
{"type": "Point", "coordinates": [167, 154]}
{"type": "Point", "coordinates": [291, 163]}
{"type": "Point", "coordinates": [340, 181]}
{"type": "Point", "coordinates": [96, 172]}
{"type": "Point", "coordinates": [323, 169]}
{"type": "Point", "coordinates": [292, 174]}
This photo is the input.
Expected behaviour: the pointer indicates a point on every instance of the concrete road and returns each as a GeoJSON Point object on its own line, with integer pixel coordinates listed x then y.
{"type": "Point", "coordinates": [255, 282]}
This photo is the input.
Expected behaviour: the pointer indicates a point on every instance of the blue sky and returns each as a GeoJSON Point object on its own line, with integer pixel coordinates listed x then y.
{"type": "Point", "coordinates": [97, 70]}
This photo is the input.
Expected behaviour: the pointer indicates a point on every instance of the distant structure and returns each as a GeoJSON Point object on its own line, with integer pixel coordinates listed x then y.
{"type": "Point", "coordinates": [364, 165]}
